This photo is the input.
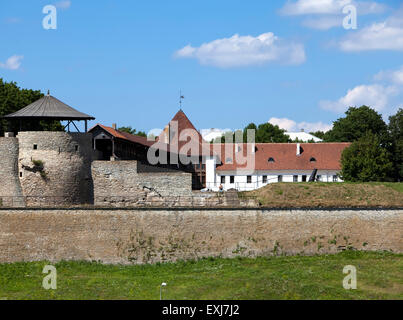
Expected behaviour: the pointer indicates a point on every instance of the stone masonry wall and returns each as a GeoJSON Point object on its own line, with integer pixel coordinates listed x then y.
{"type": "Point", "coordinates": [119, 183]}
{"type": "Point", "coordinates": [139, 236]}
{"type": "Point", "coordinates": [66, 174]}
{"type": "Point", "coordinates": [10, 188]}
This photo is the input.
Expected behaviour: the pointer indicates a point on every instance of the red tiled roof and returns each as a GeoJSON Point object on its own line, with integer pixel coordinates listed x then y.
{"type": "Point", "coordinates": [125, 136]}
{"type": "Point", "coordinates": [327, 156]}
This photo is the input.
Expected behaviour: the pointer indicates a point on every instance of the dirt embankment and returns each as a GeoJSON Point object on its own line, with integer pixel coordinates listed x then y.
{"type": "Point", "coordinates": [328, 195]}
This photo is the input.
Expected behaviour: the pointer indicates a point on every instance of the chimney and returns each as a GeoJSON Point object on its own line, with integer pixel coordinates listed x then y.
{"type": "Point", "coordinates": [298, 149]}
{"type": "Point", "coordinates": [114, 126]}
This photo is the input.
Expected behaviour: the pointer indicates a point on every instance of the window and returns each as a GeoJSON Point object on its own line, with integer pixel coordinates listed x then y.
{"type": "Point", "coordinates": [203, 167]}
{"type": "Point", "coordinates": [228, 160]}
{"type": "Point", "coordinates": [231, 179]}
{"type": "Point", "coordinates": [280, 178]}
{"type": "Point", "coordinates": [312, 159]}
{"type": "Point", "coordinates": [76, 147]}
{"type": "Point", "coordinates": [20, 174]}
{"type": "Point", "coordinates": [318, 177]}
{"type": "Point", "coordinates": [295, 178]}
{"type": "Point", "coordinates": [334, 178]}
{"type": "Point", "coordinates": [222, 179]}
{"type": "Point", "coordinates": [35, 147]}
{"type": "Point", "coordinates": [248, 179]}
{"type": "Point", "coordinates": [264, 179]}
{"type": "Point", "coordinates": [270, 159]}
{"type": "Point", "coordinates": [303, 178]}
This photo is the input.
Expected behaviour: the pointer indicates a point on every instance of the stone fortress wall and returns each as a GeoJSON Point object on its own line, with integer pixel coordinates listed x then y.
{"type": "Point", "coordinates": [130, 184]}
{"type": "Point", "coordinates": [119, 183]}
{"type": "Point", "coordinates": [147, 235]}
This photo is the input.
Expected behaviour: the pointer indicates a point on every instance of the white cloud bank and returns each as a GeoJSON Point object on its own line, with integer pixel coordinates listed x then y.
{"type": "Point", "coordinates": [375, 95]}
{"type": "Point", "coordinates": [384, 95]}
{"type": "Point", "coordinates": [386, 35]}
{"type": "Point", "coordinates": [242, 51]}
{"type": "Point", "coordinates": [12, 63]}
{"type": "Point", "coordinates": [292, 126]}
{"type": "Point", "coordinates": [326, 14]}
{"type": "Point", "coordinates": [304, 7]}
{"type": "Point", "coordinates": [394, 76]}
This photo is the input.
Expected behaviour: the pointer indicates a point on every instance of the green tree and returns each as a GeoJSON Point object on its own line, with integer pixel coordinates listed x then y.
{"type": "Point", "coordinates": [12, 99]}
{"type": "Point", "coordinates": [266, 132]}
{"type": "Point", "coordinates": [396, 133]}
{"type": "Point", "coordinates": [250, 126]}
{"type": "Point", "coordinates": [356, 123]}
{"type": "Point", "coordinates": [229, 137]}
{"type": "Point", "coordinates": [133, 131]}
{"type": "Point", "coordinates": [366, 160]}
{"type": "Point", "coordinates": [319, 134]}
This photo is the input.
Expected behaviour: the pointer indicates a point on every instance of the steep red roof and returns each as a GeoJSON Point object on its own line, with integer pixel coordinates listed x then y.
{"type": "Point", "coordinates": [181, 128]}
{"type": "Point", "coordinates": [327, 156]}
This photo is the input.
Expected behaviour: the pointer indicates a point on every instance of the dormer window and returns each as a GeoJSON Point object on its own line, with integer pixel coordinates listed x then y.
{"type": "Point", "coordinates": [312, 159]}
{"type": "Point", "coordinates": [270, 159]}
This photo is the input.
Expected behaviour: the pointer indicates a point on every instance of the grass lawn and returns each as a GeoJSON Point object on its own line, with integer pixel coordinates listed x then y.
{"type": "Point", "coordinates": [325, 194]}
{"type": "Point", "coordinates": [379, 276]}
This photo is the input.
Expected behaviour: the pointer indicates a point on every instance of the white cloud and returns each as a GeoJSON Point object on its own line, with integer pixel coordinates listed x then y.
{"type": "Point", "coordinates": [65, 4]}
{"type": "Point", "coordinates": [292, 126]}
{"type": "Point", "coordinates": [304, 7]}
{"type": "Point", "coordinates": [387, 35]}
{"type": "Point", "coordinates": [284, 123]}
{"type": "Point", "coordinates": [210, 134]}
{"type": "Point", "coordinates": [314, 126]}
{"type": "Point", "coordinates": [375, 95]}
{"type": "Point", "coordinates": [12, 63]}
{"type": "Point", "coordinates": [394, 76]}
{"type": "Point", "coordinates": [241, 51]}
{"type": "Point", "coordinates": [326, 14]}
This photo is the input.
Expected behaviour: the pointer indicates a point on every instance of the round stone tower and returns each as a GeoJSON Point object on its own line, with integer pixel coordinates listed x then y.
{"type": "Point", "coordinates": [10, 188]}
{"type": "Point", "coordinates": [55, 168]}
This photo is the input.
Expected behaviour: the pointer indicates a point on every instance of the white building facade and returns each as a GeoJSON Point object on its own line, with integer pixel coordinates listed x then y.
{"type": "Point", "coordinates": [273, 163]}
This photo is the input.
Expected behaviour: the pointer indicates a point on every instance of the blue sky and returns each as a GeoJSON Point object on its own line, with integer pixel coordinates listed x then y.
{"type": "Point", "coordinates": [292, 62]}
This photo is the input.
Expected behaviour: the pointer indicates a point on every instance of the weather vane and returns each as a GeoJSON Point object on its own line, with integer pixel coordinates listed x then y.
{"type": "Point", "coordinates": [181, 97]}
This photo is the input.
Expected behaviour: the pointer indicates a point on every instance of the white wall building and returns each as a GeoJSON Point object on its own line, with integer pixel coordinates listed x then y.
{"type": "Point", "coordinates": [271, 163]}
